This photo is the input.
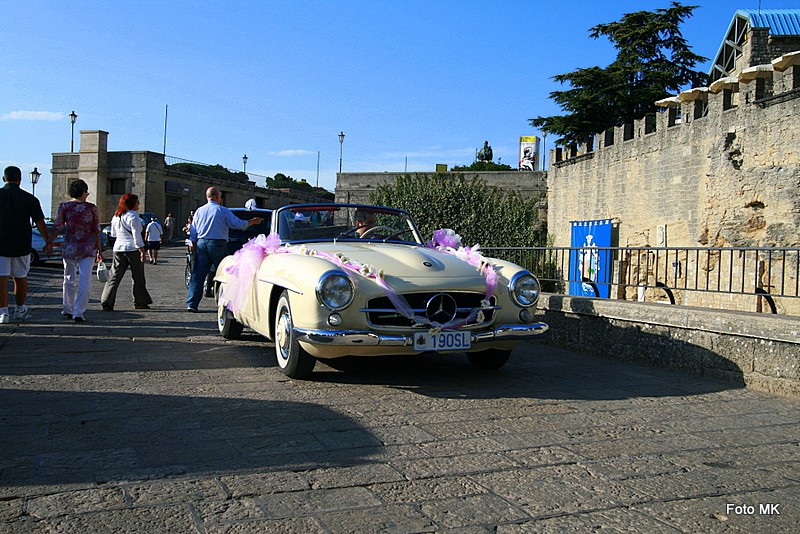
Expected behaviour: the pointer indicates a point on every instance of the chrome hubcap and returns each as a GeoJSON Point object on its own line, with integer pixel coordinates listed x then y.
{"type": "Point", "coordinates": [282, 336]}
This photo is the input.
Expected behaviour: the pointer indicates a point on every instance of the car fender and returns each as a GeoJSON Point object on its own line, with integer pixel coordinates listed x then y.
{"type": "Point", "coordinates": [297, 273]}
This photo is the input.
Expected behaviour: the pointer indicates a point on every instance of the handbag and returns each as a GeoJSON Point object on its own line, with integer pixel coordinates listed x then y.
{"type": "Point", "coordinates": [102, 272]}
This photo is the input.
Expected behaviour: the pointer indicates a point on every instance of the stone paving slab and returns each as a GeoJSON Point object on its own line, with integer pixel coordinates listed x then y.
{"type": "Point", "coordinates": [149, 421]}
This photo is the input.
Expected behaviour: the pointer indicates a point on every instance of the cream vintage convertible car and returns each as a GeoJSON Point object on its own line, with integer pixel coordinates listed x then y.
{"type": "Point", "coordinates": [334, 280]}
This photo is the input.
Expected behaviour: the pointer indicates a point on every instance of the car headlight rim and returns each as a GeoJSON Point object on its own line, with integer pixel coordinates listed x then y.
{"type": "Point", "coordinates": [335, 290]}
{"type": "Point", "coordinates": [524, 289]}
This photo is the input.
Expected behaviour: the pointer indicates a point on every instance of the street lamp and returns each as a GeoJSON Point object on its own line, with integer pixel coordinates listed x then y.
{"type": "Point", "coordinates": [244, 162]}
{"type": "Point", "coordinates": [341, 144]}
{"type": "Point", "coordinates": [72, 118]}
{"type": "Point", "coordinates": [544, 147]}
{"type": "Point", "coordinates": [35, 175]}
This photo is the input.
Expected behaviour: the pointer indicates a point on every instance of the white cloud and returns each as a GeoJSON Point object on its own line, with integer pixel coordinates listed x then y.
{"type": "Point", "coordinates": [290, 153]}
{"type": "Point", "coordinates": [32, 116]}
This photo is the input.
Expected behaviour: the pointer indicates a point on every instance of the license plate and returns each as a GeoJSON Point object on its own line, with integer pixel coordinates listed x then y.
{"type": "Point", "coordinates": [442, 341]}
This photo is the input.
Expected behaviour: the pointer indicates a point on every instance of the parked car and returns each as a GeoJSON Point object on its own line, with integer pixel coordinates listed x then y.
{"type": "Point", "coordinates": [322, 285]}
{"type": "Point", "coordinates": [38, 254]}
{"type": "Point", "coordinates": [105, 242]}
{"type": "Point", "coordinates": [237, 238]}
{"type": "Point", "coordinates": [147, 217]}
{"type": "Point", "coordinates": [105, 231]}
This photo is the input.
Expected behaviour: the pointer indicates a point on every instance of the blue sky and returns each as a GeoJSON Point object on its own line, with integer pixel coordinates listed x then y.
{"type": "Point", "coordinates": [419, 81]}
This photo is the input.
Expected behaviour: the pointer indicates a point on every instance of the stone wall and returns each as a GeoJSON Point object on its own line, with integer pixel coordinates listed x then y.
{"type": "Point", "coordinates": [729, 178]}
{"type": "Point", "coordinates": [356, 186]}
{"type": "Point", "coordinates": [757, 351]}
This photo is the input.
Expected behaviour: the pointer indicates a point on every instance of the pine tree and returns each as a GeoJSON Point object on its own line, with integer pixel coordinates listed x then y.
{"type": "Point", "coordinates": [653, 62]}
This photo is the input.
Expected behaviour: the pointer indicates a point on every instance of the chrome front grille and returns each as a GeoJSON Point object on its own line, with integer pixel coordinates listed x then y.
{"type": "Point", "coordinates": [381, 312]}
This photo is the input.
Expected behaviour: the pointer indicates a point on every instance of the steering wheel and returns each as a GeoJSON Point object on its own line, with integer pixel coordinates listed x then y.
{"type": "Point", "coordinates": [374, 229]}
{"type": "Point", "coordinates": [351, 231]}
{"type": "Point", "coordinates": [396, 234]}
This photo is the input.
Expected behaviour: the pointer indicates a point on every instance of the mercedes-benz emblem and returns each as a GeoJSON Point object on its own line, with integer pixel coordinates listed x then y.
{"type": "Point", "coordinates": [441, 308]}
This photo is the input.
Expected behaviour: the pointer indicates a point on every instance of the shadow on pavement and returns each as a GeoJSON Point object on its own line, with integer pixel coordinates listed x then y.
{"type": "Point", "coordinates": [66, 351]}
{"type": "Point", "coordinates": [60, 437]}
{"type": "Point", "coordinates": [535, 370]}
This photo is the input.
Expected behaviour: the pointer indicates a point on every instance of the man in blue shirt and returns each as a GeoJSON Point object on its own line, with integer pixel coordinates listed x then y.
{"type": "Point", "coordinates": [209, 235]}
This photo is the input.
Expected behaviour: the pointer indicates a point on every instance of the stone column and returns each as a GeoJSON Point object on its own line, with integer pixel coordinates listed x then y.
{"type": "Point", "coordinates": [93, 169]}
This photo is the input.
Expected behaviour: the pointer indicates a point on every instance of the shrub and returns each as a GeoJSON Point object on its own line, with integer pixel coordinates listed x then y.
{"type": "Point", "coordinates": [478, 212]}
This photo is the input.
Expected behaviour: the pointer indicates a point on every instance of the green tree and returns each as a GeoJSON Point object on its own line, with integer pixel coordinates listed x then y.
{"type": "Point", "coordinates": [481, 166]}
{"type": "Point", "coordinates": [478, 212]}
{"type": "Point", "coordinates": [281, 181]}
{"type": "Point", "coordinates": [211, 171]}
{"type": "Point", "coordinates": [653, 62]}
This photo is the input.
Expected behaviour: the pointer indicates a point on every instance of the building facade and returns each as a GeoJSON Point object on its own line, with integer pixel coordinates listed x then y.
{"type": "Point", "coordinates": [161, 188]}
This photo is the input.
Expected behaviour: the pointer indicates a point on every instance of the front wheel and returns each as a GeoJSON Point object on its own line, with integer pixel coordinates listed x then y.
{"type": "Point", "coordinates": [490, 359]}
{"type": "Point", "coordinates": [292, 359]}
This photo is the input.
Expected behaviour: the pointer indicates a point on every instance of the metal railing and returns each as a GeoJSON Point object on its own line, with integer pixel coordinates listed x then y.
{"type": "Point", "coordinates": [172, 160]}
{"type": "Point", "coordinates": [668, 273]}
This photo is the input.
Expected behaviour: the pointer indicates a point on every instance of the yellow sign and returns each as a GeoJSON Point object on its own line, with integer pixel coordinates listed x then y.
{"type": "Point", "coordinates": [441, 167]}
{"type": "Point", "coordinates": [528, 153]}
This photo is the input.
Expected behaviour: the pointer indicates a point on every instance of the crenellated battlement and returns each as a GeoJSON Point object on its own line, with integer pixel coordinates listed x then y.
{"type": "Point", "coordinates": [718, 165]}
{"type": "Point", "coordinates": [756, 88]}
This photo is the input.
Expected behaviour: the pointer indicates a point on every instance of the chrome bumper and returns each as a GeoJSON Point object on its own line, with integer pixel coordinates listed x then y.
{"type": "Point", "coordinates": [509, 332]}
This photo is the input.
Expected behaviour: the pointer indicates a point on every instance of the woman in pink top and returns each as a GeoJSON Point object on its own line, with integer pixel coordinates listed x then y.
{"type": "Point", "coordinates": [81, 249]}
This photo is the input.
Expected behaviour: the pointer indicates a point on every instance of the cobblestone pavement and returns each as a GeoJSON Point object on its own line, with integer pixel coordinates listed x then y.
{"type": "Point", "coordinates": [148, 421]}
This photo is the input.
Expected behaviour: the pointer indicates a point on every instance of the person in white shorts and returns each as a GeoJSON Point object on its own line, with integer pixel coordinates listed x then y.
{"type": "Point", "coordinates": [153, 235]}
{"type": "Point", "coordinates": [17, 209]}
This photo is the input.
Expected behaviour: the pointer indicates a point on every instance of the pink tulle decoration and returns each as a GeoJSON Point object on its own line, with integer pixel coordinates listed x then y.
{"type": "Point", "coordinates": [491, 280]}
{"type": "Point", "coordinates": [445, 238]}
{"type": "Point", "coordinates": [246, 262]}
{"type": "Point", "coordinates": [449, 242]}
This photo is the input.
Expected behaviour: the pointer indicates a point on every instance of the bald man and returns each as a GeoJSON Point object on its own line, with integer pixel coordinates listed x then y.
{"type": "Point", "coordinates": [209, 235]}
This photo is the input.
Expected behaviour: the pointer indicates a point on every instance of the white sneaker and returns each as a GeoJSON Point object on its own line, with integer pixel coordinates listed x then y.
{"type": "Point", "coordinates": [21, 313]}
{"type": "Point", "coordinates": [4, 318]}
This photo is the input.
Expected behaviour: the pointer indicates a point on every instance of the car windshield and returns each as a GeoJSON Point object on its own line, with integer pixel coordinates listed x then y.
{"type": "Point", "coordinates": [338, 222]}
{"type": "Point", "coordinates": [50, 227]}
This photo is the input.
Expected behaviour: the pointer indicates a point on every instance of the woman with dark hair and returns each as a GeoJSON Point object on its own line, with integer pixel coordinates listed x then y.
{"type": "Point", "coordinates": [81, 249]}
{"type": "Point", "coordinates": [129, 250]}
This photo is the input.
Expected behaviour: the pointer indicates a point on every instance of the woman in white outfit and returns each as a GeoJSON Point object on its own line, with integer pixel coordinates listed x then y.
{"type": "Point", "coordinates": [126, 228]}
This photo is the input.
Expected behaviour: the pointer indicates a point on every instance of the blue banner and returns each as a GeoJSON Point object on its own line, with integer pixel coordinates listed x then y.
{"type": "Point", "coordinates": [590, 268]}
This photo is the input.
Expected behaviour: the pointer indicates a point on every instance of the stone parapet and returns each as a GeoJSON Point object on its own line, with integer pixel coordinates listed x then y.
{"type": "Point", "coordinates": [357, 186]}
{"type": "Point", "coordinates": [758, 351]}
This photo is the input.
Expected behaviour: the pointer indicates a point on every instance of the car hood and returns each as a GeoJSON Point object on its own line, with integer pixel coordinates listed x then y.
{"type": "Point", "coordinates": [402, 260]}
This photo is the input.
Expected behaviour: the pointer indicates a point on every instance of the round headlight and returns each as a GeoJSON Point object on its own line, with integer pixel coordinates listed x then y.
{"type": "Point", "coordinates": [524, 289]}
{"type": "Point", "coordinates": [334, 290]}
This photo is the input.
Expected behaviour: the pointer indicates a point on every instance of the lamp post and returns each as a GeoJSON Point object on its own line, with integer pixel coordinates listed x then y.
{"type": "Point", "coordinates": [35, 175]}
{"type": "Point", "coordinates": [244, 163]}
{"type": "Point", "coordinates": [544, 147]}
{"type": "Point", "coordinates": [341, 145]}
{"type": "Point", "coordinates": [72, 118]}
